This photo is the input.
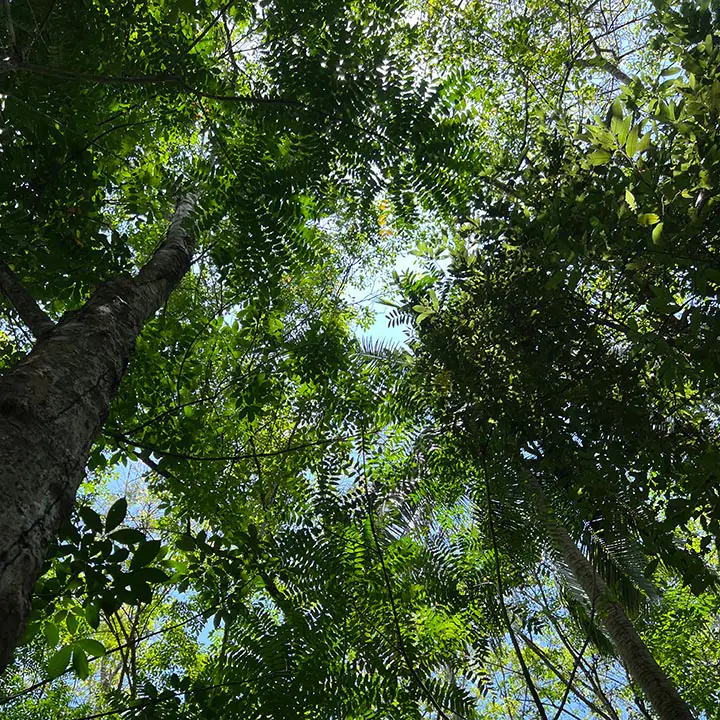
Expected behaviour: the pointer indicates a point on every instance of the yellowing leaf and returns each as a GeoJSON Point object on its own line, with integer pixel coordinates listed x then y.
{"type": "Point", "coordinates": [657, 233]}
{"type": "Point", "coordinates": [630, 200]}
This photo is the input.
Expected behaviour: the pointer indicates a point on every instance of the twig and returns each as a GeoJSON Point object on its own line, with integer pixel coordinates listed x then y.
{"type": "Point", "coordinates": [118, 648]}
{"type": "Point", "coordinates": [223, 458]}
{"type": "Point", "coordinates": [208, 27]}
{"type": "Point", "coordinates": [156, 79]}
{"type": "Point", "coordinates": [559, 675]}
{"type": "Point", "coordinates": [501, 592]}
{"type": "Point", "coordinates": [168, 695]}
{"type": "Point", "coordinates": [10, 26]}
{"type": "Point", "coordinates": [41, 26]}
{"type": "Point", "coordinates": [579, 658]}
{"type": "Point", "coordinates": [573, 672]}
{"type": "Point", "coordinates": [393, 608]}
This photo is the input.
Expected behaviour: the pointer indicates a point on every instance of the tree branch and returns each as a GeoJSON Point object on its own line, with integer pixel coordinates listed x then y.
{"type": "Point", "coordinates": [225, 458]}
{"type": "Point", "coordinates": [391, 597]}
{"type": "Point", "coordinates": [10, 26]}
{"type": "Point", "coordinates": [173, 258]}
{"type": "Point", "coordinates": [156, 79]}
{"type": "Point", "coordinates": [568, 682]}
{"type": "Point", "coordinates": [118, 648]}
{"type": "Point", "coordinates": [530, 684]}
{"type": "Point", "coordinates": [29, 311]}
{"type": "Point", "coordinates": [601, 63]}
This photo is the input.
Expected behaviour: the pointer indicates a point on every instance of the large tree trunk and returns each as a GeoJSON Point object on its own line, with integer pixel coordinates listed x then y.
{"type": "Point", "coordinates": [641, 665]}
{"type": "Point", "coordinates": [53, 405]}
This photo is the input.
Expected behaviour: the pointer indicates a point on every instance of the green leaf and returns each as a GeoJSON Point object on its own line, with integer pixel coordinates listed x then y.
{"type": "Point", "coordinates": [631, 145]}
{"type": "Point", "coordinates": [657, 233]}
{"type": "Point", "coordinates": [31, 630]}
{"type": "Point", "coordinates": [91, 519]}
{"type": "Point", "coordinates": [116, 514]}
{"type": "Point", "coordinates": [388, 303]}
{"type": "Point", "coordinates": [555, 280]}
{"type": "Point", "coordinates": [599, 157]}
{"type": "Point", "coordinates": [620, 126]}
{"type": "Point", "coordinates": [648, 218]}
{"type": "Point", "coordinates": [141, 592]}
{"type": "Point", "coordinates": [185, 542]}
{"type": "Point", "coordinates": [150, 574]}
{"type": "Point", "coordinates": [180, 569]}
{"type": "Point", "coordinates": [145, 553]}
{"type": "Point", "coordinates": [644, 143]}
{"type": "Point", "coordinates": [128, 536]}
{"type": "Point", "coordinates": [91, 647]}
{"type": "Point", "coordinates": [51, 633]}
{"type": "Point", "coordinates": [80, 663]}
{"type": "Point", "coordinates": [92, 615]}
{"type": "Point", "coordinates": [59, 661]}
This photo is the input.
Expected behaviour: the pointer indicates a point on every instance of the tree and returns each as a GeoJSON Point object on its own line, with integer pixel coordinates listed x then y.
{"type": "Point", "coordinates": [361, 528]}
{"type": "Point", "coordinates": [54, 404]}
{"type": "Point", "coordinates": [537, 337]}
{"type": "Point", "coordinates": [179, 115]}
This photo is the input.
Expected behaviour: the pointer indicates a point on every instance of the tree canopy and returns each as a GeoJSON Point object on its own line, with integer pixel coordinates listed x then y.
{"type": "Point", "coordinates": [226, 493]}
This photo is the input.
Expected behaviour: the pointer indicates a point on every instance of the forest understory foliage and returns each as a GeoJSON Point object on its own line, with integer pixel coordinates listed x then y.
{"type": "Point", "coordinates": [224, 494]}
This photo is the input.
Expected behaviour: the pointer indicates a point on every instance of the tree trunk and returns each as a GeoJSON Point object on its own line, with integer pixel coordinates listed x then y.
{"type": "Point", "coordinates": [641, 665]}
{"type": "Point", "coordinates": [53, 405]}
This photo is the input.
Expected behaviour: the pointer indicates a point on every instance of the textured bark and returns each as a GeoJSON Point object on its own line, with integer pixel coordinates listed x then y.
{"type": "Point", "coordinates": [643, 668]}
{"type": "Point", "coordinates": [29, 311]}
{"type": "Point", "coordinates": [53, 405]}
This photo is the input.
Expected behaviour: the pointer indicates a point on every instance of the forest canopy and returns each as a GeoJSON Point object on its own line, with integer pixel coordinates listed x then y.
{"type": "Point", "coordinates": [359, 359]}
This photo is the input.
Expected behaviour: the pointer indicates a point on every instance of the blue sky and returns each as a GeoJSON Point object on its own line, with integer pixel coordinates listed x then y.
{"type": "Point", "coordinates": [378, 287]}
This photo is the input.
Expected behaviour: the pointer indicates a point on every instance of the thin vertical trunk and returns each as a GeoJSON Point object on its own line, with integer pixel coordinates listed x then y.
{"type": "Point", "coordinates": [53, 405]}
{"type": "Point", "coordinates": [643, 668]}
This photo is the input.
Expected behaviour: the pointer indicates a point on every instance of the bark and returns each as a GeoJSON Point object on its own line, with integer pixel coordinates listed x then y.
{"type": "Point", "coordinates": [24, 303]}
{"type": "Point", "coordinates": [641, 665]}
{"type": "Point", "coordinates": [601, 63]}
{"type": "Point", "coordinates": [53, 405]}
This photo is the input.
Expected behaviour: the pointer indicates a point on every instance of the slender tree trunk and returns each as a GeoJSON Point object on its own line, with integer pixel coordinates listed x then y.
{"type": "Point", "coordinates": [641, 665]}
{"type": "Point", "coordinates": [53, 405]}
